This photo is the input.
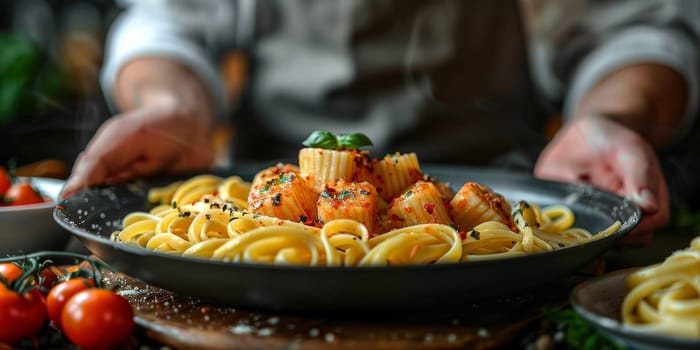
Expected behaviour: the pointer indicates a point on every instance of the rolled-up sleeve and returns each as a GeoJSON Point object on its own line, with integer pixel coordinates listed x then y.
{"type": "Point", "coordinates": [576, 51]}
{"type": "Point", "coordinates": [162, 28]}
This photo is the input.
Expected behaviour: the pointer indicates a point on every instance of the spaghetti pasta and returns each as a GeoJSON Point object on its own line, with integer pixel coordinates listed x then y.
{"type": "Point", "coordinates": [214, 228]}
{"type": "Point", "coordinates": [665, 298]}
{"type": "Point", "coordinates": [317, 215]}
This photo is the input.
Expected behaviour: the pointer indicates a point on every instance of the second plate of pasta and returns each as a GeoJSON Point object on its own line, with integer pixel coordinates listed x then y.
{"type": "Point", "coordinates": [443, 264]}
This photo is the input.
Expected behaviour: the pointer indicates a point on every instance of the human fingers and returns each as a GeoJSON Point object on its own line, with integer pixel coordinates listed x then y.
{"type": "Point", "coordinates": [649, 222]}
{"type": "Point", "coordinates": [82, 175]}
{"type": "Point", "coordinates": [552, 169]}
{"type": "Point", "coordinates": [653, 220]}
{"type": "Point", "coordinates": [567, 157]}
{"type": "Point", "coordinates": [94, 163]}
{"type": "Point", "coordinates": [185, 156]}
{"type": "Point", "coordinates": [643, 180]}
{"type": "Point", "coordinates": [115, 146]}
{"type": "Point", "coordinates": [602, 176]}
{"type": "Point", "coordinates": [100, 158]}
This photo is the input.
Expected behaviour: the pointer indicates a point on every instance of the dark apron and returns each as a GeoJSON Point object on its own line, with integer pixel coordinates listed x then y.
{"type": "Point", "coordinates": [450, 76]}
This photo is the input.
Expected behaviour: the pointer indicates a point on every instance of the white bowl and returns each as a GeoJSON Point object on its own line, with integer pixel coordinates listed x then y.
{"type": "Point", "coordinates": [30, 228]}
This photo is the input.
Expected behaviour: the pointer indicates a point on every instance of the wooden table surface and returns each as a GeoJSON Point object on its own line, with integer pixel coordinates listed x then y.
{"type": "Point", "coordinates": [187, 323]}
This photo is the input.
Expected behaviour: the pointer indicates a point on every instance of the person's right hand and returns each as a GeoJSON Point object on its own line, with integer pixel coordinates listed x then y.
{"type": "Point", "coordinates": [142, 142]}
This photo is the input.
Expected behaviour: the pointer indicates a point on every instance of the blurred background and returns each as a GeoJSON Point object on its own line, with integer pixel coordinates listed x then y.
{"type": "Point", "coordinates": [50, 102]}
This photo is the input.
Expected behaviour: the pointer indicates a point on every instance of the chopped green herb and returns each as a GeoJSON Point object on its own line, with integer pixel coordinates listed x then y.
{"type": "Point", "coordinates": [346, 193]}
{"type": "Point", "coordinates": [285, 178]}
{"type": "Point", "coordinates": [475, 234]}
{"type": "Point", "coordinates": [277, 199]}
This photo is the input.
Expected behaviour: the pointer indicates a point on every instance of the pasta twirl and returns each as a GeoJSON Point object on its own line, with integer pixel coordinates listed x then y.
{"type": "Point", "coordinates": [665, 298]}
{"type": "Point", "coordinates": [340, 207]}
{"type": "Point", "coordinates": [214, 228]}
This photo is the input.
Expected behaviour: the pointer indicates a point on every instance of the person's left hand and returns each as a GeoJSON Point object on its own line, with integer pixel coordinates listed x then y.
{"type": "Point", "coordinates": [610, 156]}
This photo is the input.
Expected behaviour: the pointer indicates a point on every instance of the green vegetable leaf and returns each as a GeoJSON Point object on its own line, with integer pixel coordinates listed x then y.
{"type": "Point", "coordinates": [11, 96]}
{"type": "Point", "coordinates": [579, 333]}
{"type": "Point", "coordinates": [327, 140]}
{"type": "Point", "coordinates": [321, 139]}
{"type": "Point", "coordinates": [29, 80]}
{"type": "Point", "coordinates": [353, 141]}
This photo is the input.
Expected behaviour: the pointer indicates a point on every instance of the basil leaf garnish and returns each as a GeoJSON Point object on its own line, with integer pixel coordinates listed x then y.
{"type": "Point", "coordinates": [326, 140]}
{"type": "Point", "coordinates": [321, 139]}
{"type": "Point", "coordinates": [353, 141]}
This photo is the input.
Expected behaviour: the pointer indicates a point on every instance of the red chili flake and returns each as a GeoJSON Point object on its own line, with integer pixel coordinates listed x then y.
{"type": "Point", "coordinates": [463, 235]}
{"type": "Point", "coordinates": [408, 209]}
{"type": "Point", "coordinates": [429, 207]}
{"type": "Point", "coordinates": [306, 221]}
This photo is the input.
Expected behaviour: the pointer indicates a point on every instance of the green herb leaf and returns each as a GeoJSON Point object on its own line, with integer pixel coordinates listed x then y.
{"type": "Point", "coordinates": [354, 140]}
{"type": "Point", "coordinates": [327, 140]}
{"type": "Point", "coordinates": [579, 333]}
{"type": "Point", "coordinates": [321, 139]}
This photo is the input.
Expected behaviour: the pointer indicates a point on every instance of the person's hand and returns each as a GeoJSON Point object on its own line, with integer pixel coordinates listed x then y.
{"type": "Point", "coordinates": [610, 156]}
{"type": "Point", "coordinates": [142, 142]}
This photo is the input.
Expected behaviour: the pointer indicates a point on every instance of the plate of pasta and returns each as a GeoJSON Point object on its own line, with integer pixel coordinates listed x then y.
{"type": "Point", "coordinates": [340, 229]}
{"type": "Point", "coordinates": [651, 307]}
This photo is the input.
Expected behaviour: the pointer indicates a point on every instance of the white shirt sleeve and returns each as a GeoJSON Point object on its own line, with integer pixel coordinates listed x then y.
{"type": "Point", "coordinates": [575, 44]}
{"type": "Point", "coordinates": [188, 31]}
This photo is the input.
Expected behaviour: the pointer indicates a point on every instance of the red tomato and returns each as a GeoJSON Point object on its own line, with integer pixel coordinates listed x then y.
{"type": "Point", "coordinates": [22, 193]}
{"type": "Point", "coordinates": [21, 316]}
{"type": "Point", "coordinates": [97, 319]}
{"type": "Point", "coordinates": [5, 181]}
{"type": "Point", "coordinates": [61, 293]}
{"type": "Point", "coordinates": [10, 271]}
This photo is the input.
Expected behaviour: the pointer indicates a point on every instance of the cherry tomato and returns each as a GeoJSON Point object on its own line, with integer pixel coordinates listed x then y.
{"type": "Point", "coordinates": [61, 293]}
{"type": "Point", "coordinates": [97, 319]}
{"type": "Point", "coordinates": [22, 193]}
{"type": "Point", "coordinates": [5, 181]}
{"type": "Point", "coordinates": [21, 316]}
{"type": "Point", "coordinates": [10, 271]}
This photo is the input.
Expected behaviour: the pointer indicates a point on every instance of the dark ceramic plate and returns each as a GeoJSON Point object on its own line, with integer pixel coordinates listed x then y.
{"type": "Point", "coordinates": [92, 215]}
{"type": "Point", "coordinates": [599, 302]}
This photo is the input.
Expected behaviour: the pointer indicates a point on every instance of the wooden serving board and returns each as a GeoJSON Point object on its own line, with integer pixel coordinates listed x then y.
{"type": "Point", "coordinates": [188, 323]}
